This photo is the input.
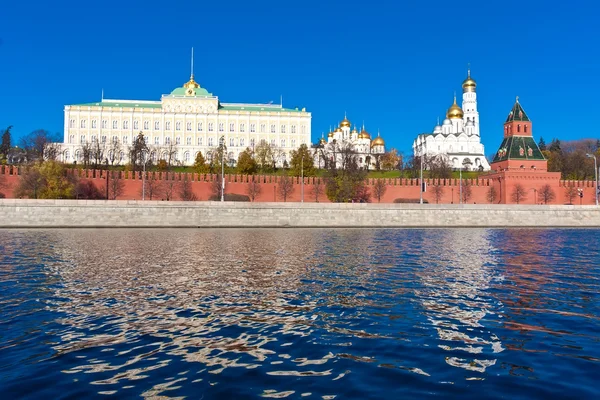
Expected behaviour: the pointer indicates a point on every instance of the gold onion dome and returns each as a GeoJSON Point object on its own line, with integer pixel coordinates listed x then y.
{"type": "Point", "coordinates": [355, 130]}
{"type": "Point", "coordinates": [454, 112]}
{"type": "Point", "coordinates": [364, 134]}
{"type": "Point", "coordinates": [191, 83]}
{"type": "Point", "coordinates": [338, 129]}
{"type": "Point", "coordinates": [345, 123]}
{"type": "Point", "coordinates": [378, 141]}
{"type": "Point", "coordinates": [469, 84]}
{"type": "Point", "coordinates": [330, 135]}
{"type": "Point", "coordinates": [322, 140]}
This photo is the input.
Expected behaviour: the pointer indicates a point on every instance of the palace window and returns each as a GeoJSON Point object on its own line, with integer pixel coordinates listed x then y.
{"type": "Point", "coordinates": [210, 142]}
{"type": "Point", "coordinates": [211, 126]}
{"type": "Point", "coordinates": [125, 139]}
{"type": "Point", "coordinates": [115, 139]}
{"type": "Point", "coordinates": [186, 156]}
{"type": "Point", "coordinates": [126, 124]}
{"type": "Point", "coordinates": [188, 126]}
{"type": "Point", "coordinates": [293, 128]}
{"type": "Point", "coordinates": [177, 140]}
{"type": "Point", "coordinates": [93, 138]}
{"type": "Point", "coordinates": [282, 128]}
{"type": "Point", "coordinates": [115, 124]}
{"type": "Point", "coordinates": [177, 126]}
{"type": "Point", "coordinates": [82, 123]}
{"type": "Point", "coordinates": [242, 142]}
{"type": "Point", "coordinates": [156, 126]}
{"type": "Point", "coordinates": [242, 127]}
{"type": "Point", "coordinates": [272, 128]}
{"type": "Point", "coordinates": [263, 142]}
{"type": "Point", "coordinates": [293, 142]}
{"type": "Point", "coordinates": [156, 140]}
{"type": "Point", "coordinates": [94, 123]}
{"type": "Point", "coordinates": [136, 124]}
{"type": "Point", "coordinates": [200, 126]}
{"type": "Point", "coordinates": [282, 142]}
{"type": "Point", "coordinates": [231, 127]}
{"type": "Point", "coordinates": [146, 125]}
{"type": "Point", "coordinates": [272, 142]}
{"type": "Point", "coordinates": [77, 153]}
{"type": "Point", "coordinates": [71, 138]}
{"type": "Point", "coordinates": [189, 141]}
{"type": "Point", "coordinates": [168, 125]}
{"type": "Point", "coordinates": [262, 128]}
{"type": "Point", "coordinates": [231, 142]}
{"type": "Point", "coordinates": [199, 141]}
{"type": "Point", "coordinates": [252, 142]}
{"type": "Point", "coordinates": [303, 128]}
{"type": "Point", "coordinates": [72, 123]}
{"type": "Point", "coordinates": [104, 124]}
{"type": "Point", "coordinates": [221, 127]}
{"type": "Point", "coordinates": [252, 128]}
{"type": "Point", "coordinates": [103, 139]}
{"type": "Point", "coordinates": [167, 140]}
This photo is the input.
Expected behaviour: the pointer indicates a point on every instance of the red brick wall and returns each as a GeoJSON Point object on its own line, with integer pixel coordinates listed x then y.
{"type": "Point", "coordinates": [395, 187]}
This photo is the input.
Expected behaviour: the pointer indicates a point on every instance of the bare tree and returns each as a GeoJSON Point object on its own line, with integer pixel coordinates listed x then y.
{"type": "Point", "coordinates": [438, 192]}
{"type": "Point", "coordinates": [168, 186]}
{"type": "Point", "coordinates": [570, 193]}
{"type": "Point", "coordinates": [3, 184]}
{"type": "Point", "coordinates": [116, 186]}
{"type": "Point", "coordinates": [216, 187]}
{"type": "Point", "coordinates": [491, 194]}
{"type": "Point", "coordinates": [253, 189]}
{"type": "Point", "coordinates": [86, 153]}
{"type": "Point", "coordinates": [151, 186]}
{"type": "Point", "coordinates": [285, 187]}
{"type": "Point", "coordinates": [518, 194]}
{"type": "Point", "coordinates": [467, 192]}
{"type": "Point", "coordinates": [31, 183]}
{"type": "Point", "coordinates": [36, 142]}
{"type": "Point", "coordinates": [51, 151]}
{"type": "Point", "coordinates": [114, 151]}
{"type": "Point", "coordinates": [317, 189]}
{"type": "Point", "coordinates": [185, 191]}
{"type": "Point", "coordinates": [547, 194]}
{"type": "Point", "coordinates": [379, 188]}
{"type": "Point", "coordinates": [170, 152]}
{"type": "Point", "coordinates": [97, 153]}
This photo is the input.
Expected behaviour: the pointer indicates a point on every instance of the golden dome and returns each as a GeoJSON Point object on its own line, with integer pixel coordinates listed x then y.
{"type": "Point", "coordinates": [469, 84]}
{"type": "Point", "coordinates": [354, 130]}
{"type": "Point", "coordinates": [378, 141]}
{"type": "Point", "coordinates": [330, 135]}
{"type": "Point", "coordinates": [322, 141]}
{"type": "Point", "coordinates": [454, 112]}
{"type": "Point", "coordinates": [338, 129]}
{"type": "Point", "coordinates": [364, 134]}
{"type": "Point", "coordinates": [345, 123]}
{"type": "Point", "coordinates": [191, 83]}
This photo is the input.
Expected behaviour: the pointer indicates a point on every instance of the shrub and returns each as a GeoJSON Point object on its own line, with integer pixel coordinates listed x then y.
{"type": "Point", "coordinates": [230, 197]}
{"type": "Point", "coordinates": [412, 201]}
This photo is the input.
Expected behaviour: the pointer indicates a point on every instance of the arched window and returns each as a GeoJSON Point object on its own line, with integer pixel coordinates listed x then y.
{"type": "Point", "coordinates": [231, 142]}
{"type": "Point", "coordinates": [177, 140]}
{"type": "Point", "coordinates": [200, 126]}
{"type": "Point", "coordinates": [242, 142]}
{"type": "Point", "coordinates": [252, 142]}
{"type": "Point", "coordinates": [94, 123]}
{"type": "Point", "coordinates": [156, 140]}
{"type": "Point", "coordinates": [518, 128]}
{"type": "Point", "coordinates": [126, 124]}
{"type": "Point", "coordinates": [115, 124]}
{"type": "Point", "coordinates": [231, 127]}
{"type": "Point", "coordinates": [168, 125]}
{"type": "Point", "coordinates": [188, 126]}
{"type": "Point", "coordinates": [199, 141]}
{"type": "Point", "coordinates": [273, 141]}
{"type": "Point", "coordinates": [211, 126]}
{"type": "Point", "coordinates": [104, 124]}
{"type": "Point", "coordinates": [156, 125]}
{"type": "Point", "coordinates": [186, 156]}
{"type": "Point", "coordinates": [72, 123]}
{"type": "Point", "coordinates": [115, 139]}
{"type": "Point", "coordinates": [282, 128]}
{"type": "Point", "coordinates": [93, 138]}
{"type": "Point", "coordinates": [221, 127]}
{"type": "Point", "coordinates": [303, 128]}
{"type": "Point", "coordinates": [82, 123]}
{"type": "Point", "coordinates": [167, 140]}
{"type": "Point", "coordinates": [125, 139]}
{"type": "Point", "coordinates": [189, 141]}
{"type": "Point", "coordinates": [272, 128]}
{"type": "Point", "coordinates": [177, 126]}
{"type": "Point", "coordinates": [282, 142]}
{"type": "Point", "coordinates": [293, 142]}
{"type": "Point", "coordinates": [525, 128]}
{"type": "Point", "coordinates": [262, 128]}
{"type": "Point", "coordinates": [103, 139]}
{"type": "Point", "coordinates": [293, 128]}
{"type": "Point", "coordinates": [252, 128]}
{"type": "Point", "coordinates": [210, 142]}
{"type": "Point", "coordinates": [146, 125]}
{"type": "Point", "coordinates": [136, 124]}
{"type": "Point", "coordinates": [242, 127]}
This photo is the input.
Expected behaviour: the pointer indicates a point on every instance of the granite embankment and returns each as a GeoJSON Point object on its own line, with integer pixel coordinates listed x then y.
{"type": "Point", "coordinates": [18, 213]}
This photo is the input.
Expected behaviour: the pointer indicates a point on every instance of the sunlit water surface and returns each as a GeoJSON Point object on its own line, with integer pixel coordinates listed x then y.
{"type": "Point", "coordinates": [299, 313]}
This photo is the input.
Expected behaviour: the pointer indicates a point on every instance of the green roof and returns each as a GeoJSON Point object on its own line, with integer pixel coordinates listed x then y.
{"type": "Point", "coordinates": [200, 91]}
{"type": "Point", "coordinates": [518, 148]}
{"type": "Point", "coordinates": [140, 104]}
{"type": "Point", "coordinates": [517, 113]}
{"type": "Point", "coordinates": [256, 107]}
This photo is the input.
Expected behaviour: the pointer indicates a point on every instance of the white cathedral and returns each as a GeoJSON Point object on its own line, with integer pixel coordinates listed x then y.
{"type": "Point", "coordinates": [367, 150]}
{"type": "Point", "coordinates": [458, 137]}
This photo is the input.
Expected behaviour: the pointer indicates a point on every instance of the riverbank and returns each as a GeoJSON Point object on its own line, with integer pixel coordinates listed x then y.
{"type": "Point", "coordinates": [18, 213]}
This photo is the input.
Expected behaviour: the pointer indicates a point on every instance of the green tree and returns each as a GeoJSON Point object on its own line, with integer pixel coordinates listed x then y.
{"type": "Point", "coordinates": [246, 164]}
{"type": "Point", "coordinates": [6, 142]}
{"type": "Point", "coordinates": [138, 152]}
{"type": "Point", "coordinates": [263, 155]}
{"type": "Point", "coordinates": [542, 144]}
{"type": "Point", "coordinates": [302, 160]}
{"type": "Point", "coordinates": [555, 145]}
{"type": "Point", "coordinates": [200, 164]}
{"type": "Point", "coordinates": [345, 181]}
{"type": "Point", "coordinates": [390, 160]}
{"type": "Point", "coordinates": [46, 180]}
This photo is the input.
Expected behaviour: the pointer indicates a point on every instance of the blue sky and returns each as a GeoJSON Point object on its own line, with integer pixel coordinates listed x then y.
{"type": "Point", "coordinates": [393, 64]}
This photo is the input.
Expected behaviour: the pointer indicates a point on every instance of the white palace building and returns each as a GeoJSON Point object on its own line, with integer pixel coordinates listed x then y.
{"type": "Point", "coordinates": [458, 138]}
{"type": "Point", "coordinates": [188, 120]}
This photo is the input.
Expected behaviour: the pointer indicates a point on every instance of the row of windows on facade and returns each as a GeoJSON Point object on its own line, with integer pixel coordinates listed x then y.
{"type": "Point", "coordinates": [154, 156]}
{"type": "Point", "coordinates": [167, 141]}
{"type": "Point", "coordinates": [188, 127]}
{"type": "Point", "coordinates": [508, 128]}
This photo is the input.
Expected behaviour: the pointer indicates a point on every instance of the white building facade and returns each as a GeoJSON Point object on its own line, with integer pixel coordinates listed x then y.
{"type": "Point", "coordinates": [367, 150]}
{"type": "Point", "coordinates": [458, 138]}
{"type": "Point", "coordinates": [187, 121]}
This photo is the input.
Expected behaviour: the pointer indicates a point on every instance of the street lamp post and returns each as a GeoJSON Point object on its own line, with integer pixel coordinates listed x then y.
{"type": "Point", "coordinates": [222, 144]}
{"type": "Point", "coordinates": [595, 174]}
{"type": "Point", "coordinates": [302, 179]}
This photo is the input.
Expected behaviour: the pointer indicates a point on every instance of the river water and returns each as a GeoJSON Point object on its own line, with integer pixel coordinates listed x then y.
{"type": "Point", "coordinates": [300, 313]}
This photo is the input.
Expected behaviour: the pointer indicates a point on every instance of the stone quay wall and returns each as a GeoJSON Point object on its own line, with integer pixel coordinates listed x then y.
{"type": "Point", "coordinates": [18, 213]}
{"type": "Point", "coordinates": [396, 188]}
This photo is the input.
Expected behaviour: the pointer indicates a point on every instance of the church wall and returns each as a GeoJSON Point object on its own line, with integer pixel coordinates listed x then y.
{"type": "Point", "coordinates": [396, 188]}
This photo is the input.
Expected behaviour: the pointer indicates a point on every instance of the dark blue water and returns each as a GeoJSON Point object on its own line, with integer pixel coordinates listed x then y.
{"type": "Point", "coordinates": [317, 314]}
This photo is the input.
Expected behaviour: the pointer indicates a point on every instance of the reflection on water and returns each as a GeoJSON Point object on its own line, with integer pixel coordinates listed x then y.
{"type": "Point", "coordinates": [299, 313]}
